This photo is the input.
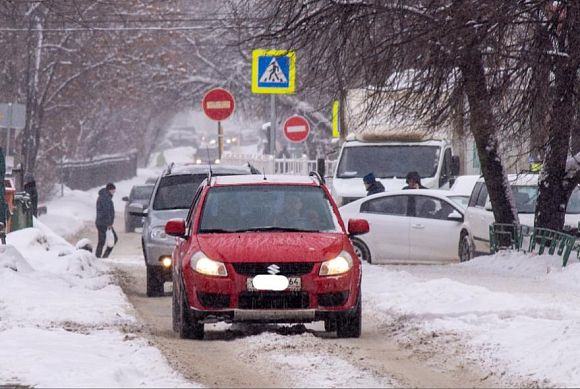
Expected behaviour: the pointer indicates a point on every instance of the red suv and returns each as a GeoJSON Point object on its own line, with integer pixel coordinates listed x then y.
{"type": "Point", "coordinates": [265, 249]}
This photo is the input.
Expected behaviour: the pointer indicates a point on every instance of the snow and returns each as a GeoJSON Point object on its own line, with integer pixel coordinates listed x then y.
{"type": "Point", "coordinates": [513, 312]}
{"type": "Point", "coordinates": [64, 322]}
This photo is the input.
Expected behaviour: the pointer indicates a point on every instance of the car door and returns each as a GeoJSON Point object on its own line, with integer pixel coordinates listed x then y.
{"type": "Point", "coordinates": [389, 228]}
{"type": "Point", "coordinates": [432, 236]}
{"type": "Point", "coordinates": [480, 219]}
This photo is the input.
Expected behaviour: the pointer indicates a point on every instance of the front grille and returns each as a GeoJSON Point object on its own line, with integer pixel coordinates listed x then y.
{"type": "Point", "coordinates": [214, 300]}
{"type": "Point", "coordinates": [332, 299]}
{"type": "Point", "coordinates": [289, 269]}
{"type": "Point", "coordinates": [273, 300]}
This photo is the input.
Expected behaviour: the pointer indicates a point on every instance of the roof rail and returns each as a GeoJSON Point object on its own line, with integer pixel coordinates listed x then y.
{"type": "Point", "coordinates": [169, 168]}
{"type": "Point", "coordinates": [318, 177]}
{"type": "Point", "coordinates": [209, 176]}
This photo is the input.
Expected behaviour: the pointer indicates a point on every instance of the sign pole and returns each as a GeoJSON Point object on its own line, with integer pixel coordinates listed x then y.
{"type": "Point", "coordinates": [273, 125]}
{"type": "Point", "coordinates": [8, 129]}
{"type": "Point", "coordinates": [220, 140]}
{"type": "Point", "coordinates": [3, 205]}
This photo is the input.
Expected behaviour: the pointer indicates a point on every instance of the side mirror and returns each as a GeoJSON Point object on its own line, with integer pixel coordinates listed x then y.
{"type": "Point", "coordinates": [175, 227]}
{"type": "Point", "coordinates": [455, 216]}
{"type": "Point", "coordinates": [125, 198]}
{"type": "Point", "coordinates": [137, 209]}
{"type": "Point", "coordinates": [455, 165]}
{"type": "Point", "coordinates": [358, 227]}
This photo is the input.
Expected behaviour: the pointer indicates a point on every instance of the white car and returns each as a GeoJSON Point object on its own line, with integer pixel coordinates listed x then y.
{"type": "Point", "coordinates": [461, 189]}
{"type": "Point", "coordinates": [407, 226]}
{"type": "Point", "coordinates": [474, 238]}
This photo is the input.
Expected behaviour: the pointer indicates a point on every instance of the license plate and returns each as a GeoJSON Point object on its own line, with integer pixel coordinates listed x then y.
{"type": "Point", "coordinates": [294, 284]}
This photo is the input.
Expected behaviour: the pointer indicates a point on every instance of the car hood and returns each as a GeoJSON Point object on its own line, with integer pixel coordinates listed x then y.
{"type": "Point", "coordinates": [271, 246]}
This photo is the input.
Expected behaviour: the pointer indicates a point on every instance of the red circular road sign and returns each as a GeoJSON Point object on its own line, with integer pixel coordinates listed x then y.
{"type": "Point", "coordinates": [296, 129]}
{"type": "Point", "coordinates": [218, 104]}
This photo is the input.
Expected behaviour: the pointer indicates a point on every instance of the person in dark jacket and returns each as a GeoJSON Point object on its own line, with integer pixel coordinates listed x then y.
{"type": "Point", "coordinates": [372, 185]}
{"type": "Point", "coordinates": [105, 218]}
{"type": "Point", "coordinates": [414, 181]}
{"type": "Point", "coordinates": [30, 188]}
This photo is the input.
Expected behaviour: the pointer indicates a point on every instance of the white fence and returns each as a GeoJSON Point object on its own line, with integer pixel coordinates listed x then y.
{"type": "Point", "coordinates": [270, 165]}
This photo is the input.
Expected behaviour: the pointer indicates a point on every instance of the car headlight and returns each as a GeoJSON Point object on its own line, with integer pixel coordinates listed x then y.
{"type": "Point", "coordinates": [336, 266]}
{"type": "Point", "coordinates": [201, 264]}
{"type": "Point", "coordinates": [158, 233]}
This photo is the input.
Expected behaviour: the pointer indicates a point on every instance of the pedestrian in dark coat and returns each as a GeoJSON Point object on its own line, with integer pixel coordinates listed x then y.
{"type": "Point", "coordinates": [372, 185]}
{"type": "Point", "coordinates": [105, 218]}
{"type": "Point", "coordinates": [30, 188]}
{"type": "Point", "coordinates": [414, 181]}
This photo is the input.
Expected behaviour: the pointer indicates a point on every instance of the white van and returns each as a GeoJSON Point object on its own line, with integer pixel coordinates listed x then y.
{"type": "Point", "coordinates": [390, 161]}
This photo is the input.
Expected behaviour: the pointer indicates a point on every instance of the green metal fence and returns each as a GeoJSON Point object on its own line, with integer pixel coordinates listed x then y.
{"type": "Point", "coordinates": [513, 236]}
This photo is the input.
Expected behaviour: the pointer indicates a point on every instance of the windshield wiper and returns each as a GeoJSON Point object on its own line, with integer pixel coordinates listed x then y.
{"type": "Point", "coordinates": [274, 228]}
{"type": "Point", "coordinates": [216, 231]}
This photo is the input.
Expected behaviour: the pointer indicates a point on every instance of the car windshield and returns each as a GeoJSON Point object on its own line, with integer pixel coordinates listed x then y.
{"type": "Point", "coordinates": [526, 197]}
{"type": "Point", "coordinates": [388, 161]}
{"type": "Point", "coordinates": [460, 200]}
{"type": "Point", "coordinates": [245, 208]}
{"type": "Point", "coordinates": [142, 192]}
{"type": "Point", "coordinates": [176, 192]}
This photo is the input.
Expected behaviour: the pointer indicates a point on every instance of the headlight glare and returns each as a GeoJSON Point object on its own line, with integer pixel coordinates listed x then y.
{"type": "Point", "coordinates": [336, 266]}
{"type": "Point", "coordinates": [201, 264]}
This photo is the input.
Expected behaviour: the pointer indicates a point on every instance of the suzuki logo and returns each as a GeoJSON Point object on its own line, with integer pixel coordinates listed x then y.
{"type": "Point", "coordinates": [273, 269]}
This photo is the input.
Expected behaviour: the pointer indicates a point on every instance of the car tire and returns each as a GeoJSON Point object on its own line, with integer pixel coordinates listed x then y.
{"type": "Point", "coordinates": [129, 227]}
{"type": "Point", "coordinates": [330, 325]}
{"type": "Point", "coordinates": [361, 250]}
{"type": "Point", "coordinates": [174, 309]}
{"type": "Point", "coordinates": [188, 327]}
{"type": "Point", "coordinates": [154, 284]}
{"type": "Point", "coordinates": [349, 325]}
{"type": "Point", "coordinates": [465, 250]}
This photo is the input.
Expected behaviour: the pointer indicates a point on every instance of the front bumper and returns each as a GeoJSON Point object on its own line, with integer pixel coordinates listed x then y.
{"type": "Point", "coordinates": [155, 250]}
{"type": "Point", "coordinates": [213, 299]}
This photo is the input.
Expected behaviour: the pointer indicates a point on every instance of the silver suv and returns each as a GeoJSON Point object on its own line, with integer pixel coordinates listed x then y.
{"type": "Point", "coordinates": [171, 198]}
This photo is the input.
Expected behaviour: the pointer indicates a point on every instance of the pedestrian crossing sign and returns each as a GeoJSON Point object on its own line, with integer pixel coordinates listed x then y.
{"type": "Point", "coordinates": [273, 71]}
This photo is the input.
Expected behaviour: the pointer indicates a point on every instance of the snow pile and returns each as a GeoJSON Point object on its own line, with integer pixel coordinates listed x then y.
{"type": "Point", "coordinates": [533, 334]}
{"type": "Point", "coordinates": [63, 322]}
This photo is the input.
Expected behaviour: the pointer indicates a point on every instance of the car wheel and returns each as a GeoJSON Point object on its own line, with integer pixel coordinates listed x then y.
{"type": "Point", "coordinates": [129, 227]}
{"type": "Point", "coordinates": [188, 327]}
{"type": "Point", "coordinates": [350, 325]}
{"type": "Point", "coordinates": [154, 284]}
{"type": "Point", "coordinates": [174, 309]}
{"type": "Point", "coordinates": [465, 248]}
{"type": "Point", "coordinates": [330, 325]}
{"type": "Point", "coordinates": [361, 250]}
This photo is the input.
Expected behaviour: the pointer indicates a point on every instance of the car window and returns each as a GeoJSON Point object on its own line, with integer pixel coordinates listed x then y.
{"type": "Point", "coordinates": [432, 208]}
{"type": "Point", "coordinates": [243, 208]}
{"type": "Point", "coordinates": [481, 197]}
{"type": "Point", "coordinates": [459, 200]}
{"type": "Point", "coordinates": [176, 192]}
{"type": "Point", "coordinates": [474, 194]}
{"type": "Point", "coordinates": [389, 205]}
{"type": "Point", "coordinates": [189, 219]}
{"type": "Point", "coordinates": [141, 192]}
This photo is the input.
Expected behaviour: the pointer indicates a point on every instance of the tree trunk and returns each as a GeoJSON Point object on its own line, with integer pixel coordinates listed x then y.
{"type": "Point", "coordinates": [484, 134]}
{"type": "Point", "coordinates": [554, 185]}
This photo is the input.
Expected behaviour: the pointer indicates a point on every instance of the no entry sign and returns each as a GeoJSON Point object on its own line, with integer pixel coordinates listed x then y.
{"type": "Point", "coordinates": [296, 129]}
{"type": "Point", "coordinates": [218, 104]}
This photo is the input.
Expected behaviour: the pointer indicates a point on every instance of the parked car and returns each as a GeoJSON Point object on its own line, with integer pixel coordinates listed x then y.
{"type": "Point", "coordinates": [407, 226]}
{"type": "Point", "coordinates": [474, 236]}
{"type": "Point", "coordinates": [172, 196]}
{"type": "Point", "coordinates": [461, 189]}
{"type": "Point", "coordinates": [139, 194]}
{"type": "Point", "coordinates": [265, 249]}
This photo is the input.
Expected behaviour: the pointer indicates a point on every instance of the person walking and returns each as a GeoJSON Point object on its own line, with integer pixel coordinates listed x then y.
{"type": "Point", "coordinates": [372, 185]}
{"type": "Point", "coordinates": [105, 218]}
{"type": "Point", "coordinates": [414, 181]}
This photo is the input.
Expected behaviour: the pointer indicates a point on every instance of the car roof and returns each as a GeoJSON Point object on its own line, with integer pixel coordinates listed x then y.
{"type": "Point", "coordinates": [256, 179]}
{"type": "Point", "coordinates": [438, 193]}
{"type": "Point", "coordinates": [520, 179]}
{"type": "Point", "coordinates": [204, 169]}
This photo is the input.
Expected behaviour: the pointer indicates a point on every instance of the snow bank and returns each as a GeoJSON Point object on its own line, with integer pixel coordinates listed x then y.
{"type": "Point", "coordinates": [530, 334]}
{"type": "Point", "coordinates": [64, 323]}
